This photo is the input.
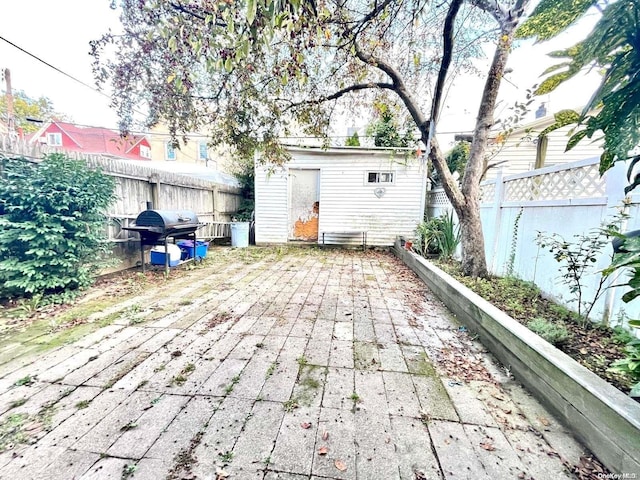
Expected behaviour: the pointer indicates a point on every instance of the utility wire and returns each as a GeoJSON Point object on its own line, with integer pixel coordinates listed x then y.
{"type": "Point", "coordinates": [55, 68]}
{"type": "Point", "coordinates": [141, 132]}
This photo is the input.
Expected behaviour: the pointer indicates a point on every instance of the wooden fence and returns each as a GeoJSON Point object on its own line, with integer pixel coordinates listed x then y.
{"type": "Point", "coordinates": [137, 184]}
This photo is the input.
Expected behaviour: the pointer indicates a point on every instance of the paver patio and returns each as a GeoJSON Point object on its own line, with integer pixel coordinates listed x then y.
{"type": "Point", "coordinates": [313, 364]}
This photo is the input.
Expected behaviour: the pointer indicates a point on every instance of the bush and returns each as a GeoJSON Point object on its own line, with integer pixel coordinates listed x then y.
{"type": "Point", "coordinates": [52, 235]}
{"type": "Point", "coordinates": [438, 236]}
{"type": "Point", "coordinates": [554, 333]}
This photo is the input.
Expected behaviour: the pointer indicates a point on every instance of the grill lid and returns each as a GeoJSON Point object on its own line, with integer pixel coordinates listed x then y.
{"type": "Point", "coordinates": [164, 220]}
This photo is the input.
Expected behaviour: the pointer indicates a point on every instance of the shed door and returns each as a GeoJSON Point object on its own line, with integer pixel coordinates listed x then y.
{"type": "Point", "coordinates": [304, 204]}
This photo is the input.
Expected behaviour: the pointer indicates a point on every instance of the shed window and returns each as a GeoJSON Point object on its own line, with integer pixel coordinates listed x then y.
{"type": "Point", "coordinates": [379, 177]}
{"type": "Point", "coordinates": [54, 139]}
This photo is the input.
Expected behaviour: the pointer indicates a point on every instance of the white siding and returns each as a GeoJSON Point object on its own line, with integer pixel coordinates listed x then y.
{"type": "Point", "coordinates": [271, 194]}
{"type": "Point", "coordinates": [347, 201]}
{"type": "Point", "coordinates": [519, 151]}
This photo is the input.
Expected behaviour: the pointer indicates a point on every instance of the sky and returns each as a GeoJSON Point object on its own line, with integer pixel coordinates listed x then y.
{"type": "Point", "coordinates": [59, 33]}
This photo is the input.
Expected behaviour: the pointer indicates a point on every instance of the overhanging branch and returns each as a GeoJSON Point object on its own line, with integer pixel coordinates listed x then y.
{"type": "Point", "coordinates": [398, 85]}
{"type": "Point", "coordinates": [341, 93]}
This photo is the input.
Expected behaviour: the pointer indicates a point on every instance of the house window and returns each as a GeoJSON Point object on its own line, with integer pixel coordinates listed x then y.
{"type": "Point", "coordinates": [145, 152]}
{"type": "Point", "coordinates": [169, 151]}
{"type": "Point", "coordinates": [203, 153]}
{"type": "Point", "coordinates": [379, 177]}
{"type": "Point", "coordinates": [54, 139]}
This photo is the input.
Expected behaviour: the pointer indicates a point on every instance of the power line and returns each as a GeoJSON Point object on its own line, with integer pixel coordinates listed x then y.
{"type": "Point", "coordinates": [55, 68]}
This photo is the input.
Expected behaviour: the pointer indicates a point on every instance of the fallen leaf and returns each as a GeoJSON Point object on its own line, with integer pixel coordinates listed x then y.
{"type": "Point", "coordinates": [323, 451]}
{"type": "Point", "coordinates": [305, 425]}
{"type": "Point", "coordinates": [488, 446]}
{"type": "Point", "coordinates": [340, 465]}
{"type": "Point", "coordinates": [419, 475]}
{"type": "Point", "coordinates": [325, 435]}
{"type": "Point", "coordinates": [544, 421]}
{"type": "Point", "coordinates": [221, 474]}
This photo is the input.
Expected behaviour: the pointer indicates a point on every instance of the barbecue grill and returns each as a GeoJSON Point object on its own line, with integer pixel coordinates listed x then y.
{"type": "Point", "coordinates": [157, 226]}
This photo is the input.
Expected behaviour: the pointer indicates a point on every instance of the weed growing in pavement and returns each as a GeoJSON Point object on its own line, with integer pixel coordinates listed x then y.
{"type": "Point", "coordinates": [128, 470]}
{"type": "Point", "coordinates": [226, 457]}
{"type": "Point", "coordinates": [24, 381]}
{"type": "Point", "coordinates": [129, 426]}
{"type": "Point", "coordinates": [82, 404]}
{"type": "Point", "coordinates": [229, 388]}
{"type": "Point", "coordinates": [179, 380]}
{"type": "Point", "coordinates": [290, 405]}
{"type": "Point", "coordinates": [271, 369]}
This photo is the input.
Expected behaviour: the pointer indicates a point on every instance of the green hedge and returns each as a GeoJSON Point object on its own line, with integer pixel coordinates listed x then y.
{"type": "Point", "coordinates": [52, 225]}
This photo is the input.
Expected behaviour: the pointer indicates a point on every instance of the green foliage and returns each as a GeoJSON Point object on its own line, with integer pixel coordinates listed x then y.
{"type": "Point", "coordinates": [554, 333]}
{"type": "Point", "coordinates": [612, 45]}
{"type": "Point", "coordinates": [353, 140]}
{"type": "Point", "coordinates": [26, 107]}
{"type": "Point", "coordinates": [562, 119]}
{"type": "Point", "coordinates": [458, 156]}
{"type": "Point", "coordinates": [514, 243]}
{"type": "Point", "coordinates": [630, 365]}
{"type": "Point", "coordinates": [243, 170]}
{"type": "Point", "coordinates": [52, 235]}
{"type": "Point", "coordinates": [439, 235]}
{"type": "Point", "coordinates": [552, 17]}
{"type": "Point", "coordinates": [629, 257]}
{"type": "Point", "coordinates": [456, 160]}
{"type": "Point", "coordinates": [386, 130]}
{"type": "Point", "coordinates": [578, 259]}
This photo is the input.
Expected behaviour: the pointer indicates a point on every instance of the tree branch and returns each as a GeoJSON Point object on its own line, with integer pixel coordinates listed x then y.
{"type": "Point", "coordinates": [398, 85]}
{"type": "Point", "coordinates": [447, 34]}
{"type": "Point", "coordinates": [368, 17]}
{"type": "Point", "coordinates": [341, 93]}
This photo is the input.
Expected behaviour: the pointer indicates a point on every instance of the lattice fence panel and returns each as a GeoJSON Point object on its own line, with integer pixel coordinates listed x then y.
{"type": "Point", "coordinates": [437, 198]}
{"type": "Point", "coordinates": [580, 182]}
{"type": "Point", "coordinates": [488, 193]}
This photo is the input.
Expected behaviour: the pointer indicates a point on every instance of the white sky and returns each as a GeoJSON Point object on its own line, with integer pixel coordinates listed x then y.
{"type": "Point", "coordinates": [59, 33]}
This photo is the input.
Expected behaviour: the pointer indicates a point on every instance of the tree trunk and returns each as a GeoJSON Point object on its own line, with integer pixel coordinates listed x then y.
{"type": "Point", "coordinates": [467, 207]}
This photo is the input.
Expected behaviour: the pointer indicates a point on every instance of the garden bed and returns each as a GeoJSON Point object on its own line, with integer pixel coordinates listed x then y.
{"type": "Point", "coordinates": [592, 345]}
{"type": "Point", "coordinates": [601, 416]}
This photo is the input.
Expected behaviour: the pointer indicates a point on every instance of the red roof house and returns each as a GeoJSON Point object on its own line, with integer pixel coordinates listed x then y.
{"type": "Point", "coordinates": [97, 140]}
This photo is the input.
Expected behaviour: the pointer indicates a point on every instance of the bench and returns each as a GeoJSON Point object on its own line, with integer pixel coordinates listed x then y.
{"type": "Point", "coordinates": [348, 233]}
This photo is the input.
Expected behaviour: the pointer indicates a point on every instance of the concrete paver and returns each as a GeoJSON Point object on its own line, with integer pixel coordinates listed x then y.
{"type": "Point", "coordinates": [311, 365]}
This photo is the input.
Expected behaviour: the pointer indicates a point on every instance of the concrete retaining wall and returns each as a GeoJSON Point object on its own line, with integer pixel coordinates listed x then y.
{"type": "Point", "coordinates": [601, 417]}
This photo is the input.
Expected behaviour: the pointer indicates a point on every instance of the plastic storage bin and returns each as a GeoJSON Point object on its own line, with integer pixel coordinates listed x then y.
{"type": "Point", "coordinates": [240, 234]}
{"type": "Point", "coordinates": [158, 255]}
{"type": "Point", "coordinates": [186, 246]}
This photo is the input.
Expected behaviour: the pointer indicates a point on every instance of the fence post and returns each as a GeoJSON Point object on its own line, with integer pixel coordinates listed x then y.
{"type": "Point", "coordinates": [614, 188]}
{"type": "Point", "coordinates": [497, 217]}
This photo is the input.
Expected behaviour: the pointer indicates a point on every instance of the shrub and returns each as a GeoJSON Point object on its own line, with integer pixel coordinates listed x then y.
{"type": "Point", "coordinates": [554, 333]}
{"type": "Point", "coordinates": [630, 365]}
{"type": "Point", "coordinates": [438, 235]}
{"type": "Point", "coordinates": [52, 235]}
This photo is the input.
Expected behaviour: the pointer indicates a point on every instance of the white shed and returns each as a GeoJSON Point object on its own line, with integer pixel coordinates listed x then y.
{"type": "Point", "coordinates": [338, 194]}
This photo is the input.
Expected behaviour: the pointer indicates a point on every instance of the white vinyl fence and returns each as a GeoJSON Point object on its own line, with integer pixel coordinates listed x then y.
{"type": "Point", "coordinates": [569, 200]}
